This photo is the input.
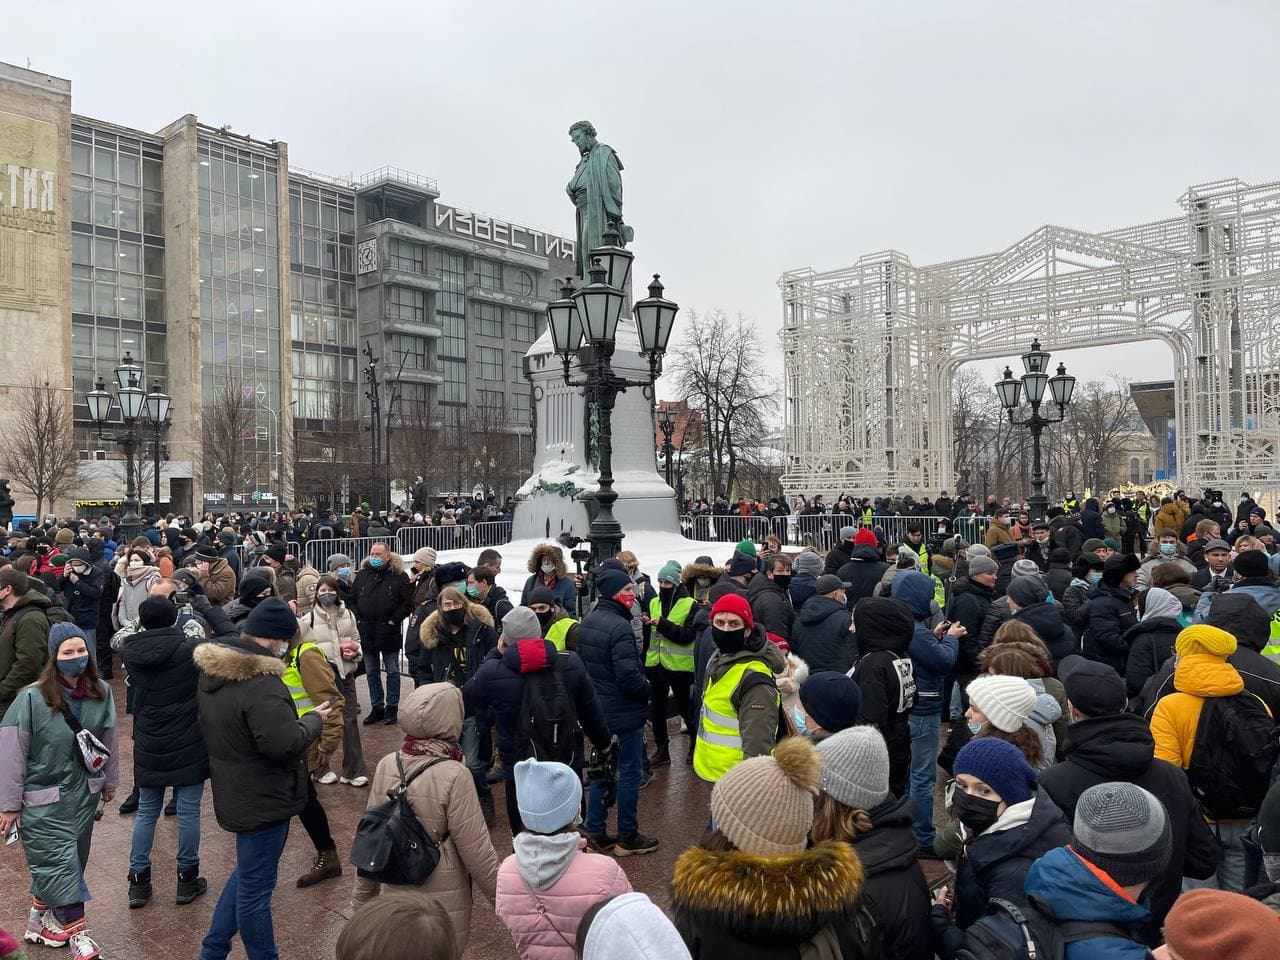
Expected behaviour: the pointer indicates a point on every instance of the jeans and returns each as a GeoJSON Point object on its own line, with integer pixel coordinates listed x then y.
{"type": "Point", "coordinates": [374, 664]}
{"type": "Point", "coordinates": [1230, 875]}
{"type": "Point", "coordinates": [150, 800]}
{"type": "Point", "coordinates": [245, 904]}
{"type": "Point", "coordinates": [469, 742]}
{"type": "Point", "coordinates": [925, 733]}
{"type": "Point", "coordinates": [630, 747]}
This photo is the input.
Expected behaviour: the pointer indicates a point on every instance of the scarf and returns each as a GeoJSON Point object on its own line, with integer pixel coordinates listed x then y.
{"type": "Point", "coordinates": [77, 690]}
{"type": "Point", "coordinates": [135, 576]}
{"type": "Point", "coordinates": [431, 747]}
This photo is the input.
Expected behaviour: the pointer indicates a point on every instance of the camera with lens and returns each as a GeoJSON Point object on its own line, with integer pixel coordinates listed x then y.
{"type": "Point", "coordinates": [570, 541]}
{"type": "Point", "coordinates": [183, 599]}
{"type": "Point", "coordinates": [602, 770]}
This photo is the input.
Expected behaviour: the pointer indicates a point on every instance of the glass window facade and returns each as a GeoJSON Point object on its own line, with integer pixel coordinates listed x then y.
{"type": "Point", "coordinates": [451, 314]}
{"type": "Point", "coordinates": [404, 303]}
{"type": "Point", "coordinates": [411, 350]}
{"type": "Point", "coordinates": [489, 366]}
{"type": "Point", "coordinates": [117, 258]}
{"type": "Point", "coordinates": [523, 327]}
{"type": "Point", "coordinates": [488, 320]}
{"type": "Point", "coordinates": [488, 274]}
{"type": "Point", "coordinates": [407, 256]}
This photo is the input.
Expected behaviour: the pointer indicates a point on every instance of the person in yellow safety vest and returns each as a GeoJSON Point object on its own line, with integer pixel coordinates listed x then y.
{"type": "Point", "coordinates": [311, 682]}
{"type": "Point", "coordinates": [557, 626]}
{"type": "Point", "coordinates": [740, 702]}
{"type": "Point", "coordinates": [669, 660]}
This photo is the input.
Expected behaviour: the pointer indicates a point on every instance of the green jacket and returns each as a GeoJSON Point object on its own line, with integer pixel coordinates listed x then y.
{"type": "Point", "coordinates": [41, 775]}
{"type": "Point", "coordinates": [24, 649]}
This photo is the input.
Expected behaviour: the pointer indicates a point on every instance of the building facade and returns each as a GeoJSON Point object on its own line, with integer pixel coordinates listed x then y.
{"type": "Point", "coordinates": [249, 291]}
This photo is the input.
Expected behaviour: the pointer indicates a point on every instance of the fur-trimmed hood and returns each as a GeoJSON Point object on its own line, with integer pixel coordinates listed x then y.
{"type": "Point", "coordinates": [429, 632]}
{"type": "Point", "coordinates": [692, 571]}
{"type": "Point", "coordinates": [221, 661]}
{"type": "Point", "coordinates": [770, 900]}
{"type": "Point", "coordinates": [556, 553]}
{"type": "Point", "coordinates": [395, 564]}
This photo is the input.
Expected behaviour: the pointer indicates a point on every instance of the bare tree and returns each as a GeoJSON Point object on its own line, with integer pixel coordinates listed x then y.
{"type": "Point", "coordinates": [1100, 417]}
{"type": "Point", "coordinates": [719, 370]}
{"type": "Point", "coordinates": [419, 447]}
{"type": "Point", "coordinates": [492, 451]}
{"type": "Point", "coordinates": [37, 445]}
{"type": "Point", "coordinates": [227, 423]}
{"type": "Point", "coordinates": [335, 456]}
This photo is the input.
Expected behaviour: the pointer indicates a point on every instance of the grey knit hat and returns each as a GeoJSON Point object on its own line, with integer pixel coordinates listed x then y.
{"type": "Point", "coordinates": [521, 623]}
{"type": "Point", "coordinates": [807, 563]}
{"type": "Point", "coordinates": [337, 560]}
{"type": "Point", "coordinates": [980, 565]}
{"type": "Point", "coordinates": [1124, 830]}
{"type": "Point", "coordinates": [1024, 568]}
{"type": "Point", "coordinates": [978, 550]}
{"type": "Point", "coordinates": [855, 767]}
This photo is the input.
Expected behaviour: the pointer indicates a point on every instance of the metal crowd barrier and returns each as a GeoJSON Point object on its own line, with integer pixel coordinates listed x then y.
{"type": "Point", "coordinates": [317, 552]}
{"type": "Point", "coordinates": [724, 529]}
{"type": "Point", "coordinates": [821, 530]}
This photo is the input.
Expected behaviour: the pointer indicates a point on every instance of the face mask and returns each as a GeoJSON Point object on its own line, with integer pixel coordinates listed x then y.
{"type": "Point", "coordinates": [74, 667]}
{"type": "Point", "coordinates": [544, 619]}
{"type": "Point", "coordinates": [344, 572]}
{"type": "Point", "coordinates": [135, 563]}
{"type": "Point", "coordinates": [1111, 509]}
{"type": "Point", "coordinates": [974, 728]}
{"type": "Point", "coordinates": [974, 812]}
{"type": "Point", "coordinates": [472, 590]}
{"type": "Point", "coordinates": [454, 617]}
{"type": "Point", "coordinates": [1095, 578]}
{"type": "Point", "coordinates": [728, 641]}
{"type": "Point", "coordinates": [1168, 549]}
{"type": "Point", "coordinates": [375, 562]}
{"type": "Point", "coordinates": [327, 599]}
{"type": "Point", "coordinates": [802, 725]}
{"type": "Point", "coordinates": [281, 648]}
{"type": "Point", "coordinates": [704, 581]}
{"type": "Point", "coordinates": [782, 580]}
{"type": "Point", "coordinates": [548, 568]}
{"type": "Point", "coordinates": [665, 591]}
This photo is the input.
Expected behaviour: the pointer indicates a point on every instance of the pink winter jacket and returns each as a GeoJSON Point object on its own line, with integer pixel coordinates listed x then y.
{"type": "Point", "coordinates": [565, 892]}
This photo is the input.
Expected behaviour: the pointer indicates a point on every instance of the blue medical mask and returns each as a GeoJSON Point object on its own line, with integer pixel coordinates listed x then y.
{"type": "Point", "coordinates": [974, 728]}
{"type": "Point", "coordinates": [472, 590]}
{"type": "Point", "coordinates": [74, 667]}
{"type": "Point", "coordinates": [802, 725]}
{"type": "Point", "coordinates": [1168, 549]}
{"type": "Point", "coordinates": [375, 562]}
{"type": "Point", "coordinates": [344, 572]}
{"type": "Point", "coordinates": [1095, 577]}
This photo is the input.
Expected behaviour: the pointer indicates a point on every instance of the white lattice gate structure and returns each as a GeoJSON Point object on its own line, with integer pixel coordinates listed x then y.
{"type": "Point", "coordinates": [870, 350]}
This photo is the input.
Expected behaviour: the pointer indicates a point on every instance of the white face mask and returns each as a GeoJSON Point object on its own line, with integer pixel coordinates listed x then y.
{"type": "Point", "coordinates": [548, 568]}
{"type": "Point", "coordinates": [135, 563]}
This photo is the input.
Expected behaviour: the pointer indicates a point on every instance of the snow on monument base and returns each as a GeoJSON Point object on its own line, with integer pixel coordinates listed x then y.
{"type": "Point", "coordinates": [644, 504]}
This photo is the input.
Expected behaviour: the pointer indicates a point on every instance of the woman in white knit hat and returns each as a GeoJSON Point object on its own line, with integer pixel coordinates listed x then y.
{"type": "Point", "coordinates": [1002, 707]}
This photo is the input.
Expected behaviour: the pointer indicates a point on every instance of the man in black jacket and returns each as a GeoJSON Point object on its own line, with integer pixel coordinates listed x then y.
{"type": "Point", "coordinates": [820, 635]}
{"type": "Point", "coordinates": [840, 553]}
{"type": "Point", "coordinates": [381, 597]}
{"type": "Point", "coordinates": [887, 678]}
{"type": "Point", "coordinates": [864, 569]}
{"type": "Point", "coordinates": [770, 599]}
{"type": "Point", "coordinates": [257, 748]}
{"type": "Point", "coordinates": [1106, 744]}
{"type": "Point", "coordinates": [969, 607]}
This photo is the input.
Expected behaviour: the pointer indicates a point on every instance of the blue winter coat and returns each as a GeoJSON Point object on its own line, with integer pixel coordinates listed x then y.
{"type": "Point", "coordinates": [607, 645]}
{"type": "Point", "coordinates": [1071, 891]}
{"type": "Point", "coordinates": [934, 659]}
{"type": "Point", "coordinates": [565, 589]}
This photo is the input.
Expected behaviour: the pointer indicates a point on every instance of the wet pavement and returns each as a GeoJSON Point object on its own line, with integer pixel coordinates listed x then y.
{"type": "Point", "coordinates": [673, 808]}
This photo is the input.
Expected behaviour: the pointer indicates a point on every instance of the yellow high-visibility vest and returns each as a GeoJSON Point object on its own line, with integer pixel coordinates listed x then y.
{"type": "Point", "coordinates": [293, 680]}
{"type": "Point", "coordinates": [558, 632]}
{"type": "Point", "coordinates": [664, 652]}
{"type": "Point", "coordinates": [719, 745]}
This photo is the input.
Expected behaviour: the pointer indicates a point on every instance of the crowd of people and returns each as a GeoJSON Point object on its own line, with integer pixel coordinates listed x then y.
{"type": "Point", "coordinates": [1099, 688]}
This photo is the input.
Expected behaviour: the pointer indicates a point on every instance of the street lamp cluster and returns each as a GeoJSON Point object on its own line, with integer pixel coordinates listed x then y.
{"type": "Point", "coordinates": [1032, 384]}
{"type": "Point", "coordinates": [135, 405]}
{"type": "Point", "coordinates": [584, 324]}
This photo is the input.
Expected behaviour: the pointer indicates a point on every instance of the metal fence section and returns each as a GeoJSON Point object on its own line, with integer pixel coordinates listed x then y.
{"type": "Point", "coordinates": [488, 533]}
{"type": "Point", "coordinates": [724, 529]}
{"type": "Point", "coordinates": [822, 530]}
{"type": "Point", "coordinates": [316, 552]}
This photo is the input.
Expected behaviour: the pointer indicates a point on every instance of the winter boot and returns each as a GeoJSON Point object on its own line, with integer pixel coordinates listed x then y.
{"type": "Point", "coordinates": [139, 889]}
{"type": "Point", "coordinates": [130, 804]}
{"type": "Point", "coordinates": [487, 810]}
{"type": "Point", "coordinates": [392, 716]}
{"type": "Point", "coordinates": [190, 885]}
{"type": "Point", "coordinates": [326, 867]}
{"type": "Point", "coordinates": [82, 948]}
{"type": "Point", "coordinates": [376, 715]}
{"type": "Point", "coordinates": [661, 756]}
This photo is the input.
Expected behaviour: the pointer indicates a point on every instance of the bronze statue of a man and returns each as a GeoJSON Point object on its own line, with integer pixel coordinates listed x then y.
{"type": "Point", "coordinates": [596, 192]}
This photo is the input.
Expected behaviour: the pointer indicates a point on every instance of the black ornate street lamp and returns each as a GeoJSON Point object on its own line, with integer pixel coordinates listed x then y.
{"type": "Point", "coordinates": [1061, 386]}
{"type": "Point", "coordinates": [132, 400]}
{"type": "Point", "coordinates": [668, 426]}
{"type": "Point", "coordinates": [158, 404]}
{"type": "Point", "coordinates": [584, 324]}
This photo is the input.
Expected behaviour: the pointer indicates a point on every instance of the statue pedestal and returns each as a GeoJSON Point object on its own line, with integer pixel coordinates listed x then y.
{"type": "Point", "coordinates": [551, 501]}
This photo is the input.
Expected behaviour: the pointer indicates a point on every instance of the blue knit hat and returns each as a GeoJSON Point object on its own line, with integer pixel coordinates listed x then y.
{"type": "Point", "coordinates": [1000, 765]}
{"type": "Point", "coordinates": [833, 699]}
{"type": "Point", "coordinates": [60, 632]}
{"type": "Point", "coordinates": [610, 581]}
{"type": "Point", "coordinates": [548, 794]}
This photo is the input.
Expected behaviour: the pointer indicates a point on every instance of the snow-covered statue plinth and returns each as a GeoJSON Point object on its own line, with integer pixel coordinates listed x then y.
{"type": "Point", "coordinates": [552, 501]}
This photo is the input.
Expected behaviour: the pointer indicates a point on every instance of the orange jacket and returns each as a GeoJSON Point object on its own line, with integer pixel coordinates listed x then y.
{"type": "Point", "coordinates": [1177, 715]}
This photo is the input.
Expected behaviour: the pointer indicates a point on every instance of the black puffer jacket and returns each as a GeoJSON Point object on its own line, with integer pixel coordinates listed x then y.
{"type": "Point", "coordinates": [771, 606]}
{"type": "Point", "coordinates": [381, 600]}
{"type": "Point", "coordinates": [1047, 621]}
{"type": "Point", "coordinates": [970, 607]}
{"type": "Point", "coordinates": [838, 556]}
{"type": "Point", "coordinates": [168, 748]}
{"type": "Point", "coordinates": [1057, 578]}
{"type": "Point", "coordinates": [1150, 644]}
{"type": "Point", "coordinates": [448, 657]}
{"type": "Point", "coordinates": [257, 743]}
{"type": "Point", "coordinates": [884, 631]}
{"type": "Point", "coordinates": [1111, 615]}
{"type": "Point", "coordinates": [864, 571]}
{"type": "Point", "coordinates": [895, 886]}
{"type": "Point", "coordinates": [821, 638]}
{"type": "Point", "coordinates": [1120, 747]}
{"type": "Point", "coordinates": [607, 645]}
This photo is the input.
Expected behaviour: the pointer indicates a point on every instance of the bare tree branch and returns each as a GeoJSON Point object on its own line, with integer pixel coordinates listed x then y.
{"type": "Point", "coordinates": [37, 446]}
{"type": "Point", "coordinates": [227, 422]}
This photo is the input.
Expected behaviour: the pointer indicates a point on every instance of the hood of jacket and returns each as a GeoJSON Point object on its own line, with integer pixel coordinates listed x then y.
{"type": "Point", "coordinates": [557, 554]}
{"type": "Point", "coordinates": [1033, 823]}
{"type": "Point", "coordinates": [769, 899]}
{"type": "Point", "coordinates": [1242, 617]}
{"type": "Point", "coordinates": [865, 555]}
{"type": "Point", "coordinates": [883, 623]}
{"type": "Point", "coordinates": [915, 590]}
{"type": "Point", "coordinates": [1152, 625]}
{"type": "Point", "coordinates": [431, 634]}
{"type": "Point", "coordinates": [529, 656]}
{"type": "Point", "coordinates": [32, 598]}
{"type": "Point", "coordinates": [395, 564]}
{"type": "Point", "coordinates": [223, 663]}
{"type": "Point", "coordinates": [155, 648]}
{"type": "Point", "coordinates": [1118, 747]}
{"type": "Point", "coordinates": [432, 712]}
{"type": "Point", "coordinates": [1204, 675]}
{"type": "Point", "coordinates": [1161, 603]}
{"type": "Point", "coordinates": [1062, 881]}
{"type": "Point", "coordinates": [890, 844]}
{"type": "Point", "coordinates": [1266, 593]}
{"type": "Point", "coordinates": [543, 859]}
{"type": "Point", "coordinates": [818, 608]}
{"type": "Point", "coordinates": [692, 571]}
{"type": "Point", "coordinates": [759, 647]}
{"type": "Point", "coordinates": [760, 585]}
{"type": "Point", "coordinates": [1187, 595]}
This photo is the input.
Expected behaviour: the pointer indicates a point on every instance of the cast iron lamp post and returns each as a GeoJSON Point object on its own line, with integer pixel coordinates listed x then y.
{"type": "Point", "coordinates": [668, 426]}
{"type": "Point", "coordinates": [584, 323]}
{"type": "Point", "coordinates": [1061, 386]}
{"type": "Point", "coordinates": [131, 399]}
{"type": "Point", "coordinates": [157, 406]}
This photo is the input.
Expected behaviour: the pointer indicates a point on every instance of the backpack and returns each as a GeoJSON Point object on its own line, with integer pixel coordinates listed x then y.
{"type": "Point", "coordinates": [391, 845]}
{"type": "Point", "coordinates": [1235, 748]}
{"type": "Point", "coordinates": [1009, 932]}
{"type": "Point", "coordinates": [548, 728]}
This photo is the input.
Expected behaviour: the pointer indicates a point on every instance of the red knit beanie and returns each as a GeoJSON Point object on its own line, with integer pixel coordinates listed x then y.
{"type": "Point", "coordinates": [865, 538]}
{"type": "Point", "coordinates": [1215, 924]}
{"type": "Point", "coordinates": [738, 606]}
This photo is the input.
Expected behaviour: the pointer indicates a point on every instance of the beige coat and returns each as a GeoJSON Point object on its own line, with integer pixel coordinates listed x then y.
{"type": "Point", "coordinates": [444, 799]}
{"type": "Point", "coordinates": [330, 629]}
{"type": "Point", "coordinates": [219, 584]}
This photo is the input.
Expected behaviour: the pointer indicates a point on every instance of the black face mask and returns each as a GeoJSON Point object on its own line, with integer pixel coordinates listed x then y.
{"type": "Point", "coordinates": [729, 641]}
{"type": "Point", "coordinates": [974, 812]}
{"type": "Point", "coordinates": [783, 580]}
{"type": "Point", "coordinates": [545, 619]}
{"type": "Point", "coordinates": [454, 617]}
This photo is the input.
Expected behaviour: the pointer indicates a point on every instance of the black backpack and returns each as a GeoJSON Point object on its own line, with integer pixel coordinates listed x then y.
{"type": "Point", "coordinates": [1009, 932]}
{"type": "Point", "coordinates": [391, 845]}
{"type": "Point", "coordinates": [1235, 749]}
{"type": "Point", "coordinates": [549, 718]}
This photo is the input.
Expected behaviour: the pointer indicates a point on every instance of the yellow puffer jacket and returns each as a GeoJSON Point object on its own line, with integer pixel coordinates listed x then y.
{"type": "Point", "coordinates": [1173, 725]}
{"type": "Point", "coordinates": [1169, 519]}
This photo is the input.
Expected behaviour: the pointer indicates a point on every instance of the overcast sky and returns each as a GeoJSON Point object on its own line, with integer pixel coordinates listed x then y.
{"type": "Point", "coordinates": [757, 136]}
